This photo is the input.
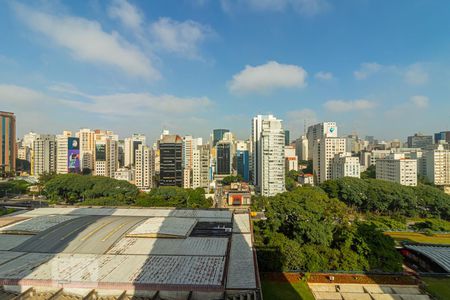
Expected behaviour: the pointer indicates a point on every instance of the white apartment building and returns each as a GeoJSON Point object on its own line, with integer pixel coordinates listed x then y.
{"type": "Point", "coordinates": [438, 166]}
{"type": "Point", "coordinates": [345, 165]}
{"type": "Point", "coordinates": [62, 152]}
{"type": "Point", "coordinates": [43, 158]}
{"type": "Point", "coordinates": [87, 148]}
{"type": "Point", "coordinates": [125, 174]}
{"type": "Point", "coordinates": [145, 167]}
{"type": "Point", "coordinates": [397, 168]}
{"type": "Point", "coordinates": [201, 167]}
{"type": "Point", "coordinates": [290, 159]}
{"type": "Point", "coordinates": [130, 146]}
{"type": "Point", "coordinates": [316, 132]}
{"type": "Point", "coordinates": [324, 151]}
{"type": "Point", "coordinates": [268, 155]}
{"type": "Point", "coordinates": [106, 157]}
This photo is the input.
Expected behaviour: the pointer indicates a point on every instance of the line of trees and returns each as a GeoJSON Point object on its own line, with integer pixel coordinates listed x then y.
{"type": "Point", "coordinates": [105, 191]}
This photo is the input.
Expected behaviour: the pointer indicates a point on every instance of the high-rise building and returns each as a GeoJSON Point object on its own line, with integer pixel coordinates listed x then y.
{"type": "Point", "coordinates": [218, 135]}
{"type": "Point", "coordinates": [419, 140]}
{"type": "Point", "coordinates": [144, 167]}
{"type": "Point", "coordinates": [442, 136]}
{"type": "Point", "coordinates": [324, 151]}
{"type": "Point", "coordinates": [43, 157]}
{"type": "Point", "coordinates": [7, 142]}
{"type": "Point", "coordinates": [243, 159]}
{"type": "Point", "coordinates": [268, 155]}
{"type": "Point", "coordinates": [397, 168]}
{"type": "Point", "coordinates": [316, 132]}
{"type": "Point", "coordinates": [171, 156]}
{"type": "Point", "coordinates": [287, 138]}
{"type": "Point", "coordinates": [106, 156]}
{"type": "Point", "coordinates": [345, 165]}
{"type": "Point", "coordinates": [437, 163]}
{"type": "Point", "coordinates": [291, 160]}
{"type": "Point", "coordinates": [67, 153]}
{"type": "Point", "coordinates": [201, 167]}
{"type": "Point", "coordinates": [223, 158]}
{"type": "Point", "coordinates": [131, 144]}
{"type": "Point", "coordinates": [87, 148]}
{"type": "Point", "coordinates": [189, 145]}
{"type": "Point", "coordinates": [301, 148]}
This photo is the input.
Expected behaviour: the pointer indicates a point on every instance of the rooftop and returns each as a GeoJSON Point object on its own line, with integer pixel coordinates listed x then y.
{"type": "Point", "coordinates": [207, 254]}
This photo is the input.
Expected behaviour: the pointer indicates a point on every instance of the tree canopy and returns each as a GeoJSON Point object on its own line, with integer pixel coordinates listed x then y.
{"type": "Point", "coordinates": [389, 198]}
{"type": "Point", "coordinates": [309, 231]}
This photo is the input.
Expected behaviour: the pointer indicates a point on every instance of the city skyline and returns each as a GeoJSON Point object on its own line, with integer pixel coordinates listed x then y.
{"type": "Point", "coordinates": [200, 65]}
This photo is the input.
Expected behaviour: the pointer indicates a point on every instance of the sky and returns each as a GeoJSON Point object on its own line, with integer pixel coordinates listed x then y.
{"type": "Point", "coordinates": [376, 67]}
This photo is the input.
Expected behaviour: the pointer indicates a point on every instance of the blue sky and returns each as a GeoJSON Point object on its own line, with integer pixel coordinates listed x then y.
{"type": "Point", "coordinates": [376, 67]}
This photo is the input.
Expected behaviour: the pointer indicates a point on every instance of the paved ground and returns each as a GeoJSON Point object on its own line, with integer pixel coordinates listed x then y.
{"type": "Point", "coordinates": [88, 234]}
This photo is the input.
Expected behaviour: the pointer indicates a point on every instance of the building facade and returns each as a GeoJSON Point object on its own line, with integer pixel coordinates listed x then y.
{"type": "Point", "coordinates": [131, 144]}
{"type": "Point", "coordinates": [316, 132]}
{"type": "Point", "coordinates": [144, 167]}
{"type": "Point", "coordinates": [419, 140]}
{"type": "Point", "coordinates": [437, 163]}
{"type": "Point", "coordinates": [201, 167]}
{"type": "Point", "coordinates": [324, 151]}
{"type": "Point", "coordinates": [397, 168]}
{"type": "Point", "coordinates": [345, 165]}
{"type": "Point", "coordinates": [7, 142]}
{"type": "Point", "coordinates": [268, 155]}
{"type": "Point", "coordinates": [171, 156]}
{"type": "Point", "coordinates": [43, 158]}
{"type": "Point", "coordinates": [223, 158]}
{"type": "Point", "coordinates": [217, 135]}
{"type": "Point", "coordinates": [291, 160]}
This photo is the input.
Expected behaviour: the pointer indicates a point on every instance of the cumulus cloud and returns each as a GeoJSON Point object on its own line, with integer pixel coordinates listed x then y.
{"type": "Point", "coordinates": [346, 106]}
{"type": "Point", "coordinates": [87, 41]}
{"type": "Point", "coordinates": [416, 75]}
{"type": "Point", "coordinates": [267, 77]}
{"type": "Point", "coordinates": [303, 7]}
{"type": "Point", "coordinates": [126, 13]}
{"type": "Point", "coordinates": [324, 75]}
{"type": "Point", "coordinates": [420, 101]}
{"type": "Point", "coordinates": [182, 38]}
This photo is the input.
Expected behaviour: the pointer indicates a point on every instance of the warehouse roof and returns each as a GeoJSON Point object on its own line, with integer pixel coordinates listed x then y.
{"type": "Point", "coordinates": [209, 252]}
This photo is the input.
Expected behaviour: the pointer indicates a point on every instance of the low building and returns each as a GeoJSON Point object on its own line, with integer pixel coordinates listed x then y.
{"type": "Point", "coordinates": [238, 194]}
{"type": "Point", "coordinates": [306, 179]}
{"type": "Point", "coordinates": [345, 165]}
{"type": "Point", "coordinates": [125, 174]}
{"type": "Point", "coordinates": [108, 253]}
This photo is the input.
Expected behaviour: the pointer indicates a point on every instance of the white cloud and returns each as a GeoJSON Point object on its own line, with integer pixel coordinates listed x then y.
{"type": "Point", "coordinates": [366, 70]}
{"type": "Point", "coordinates": [416, 75]}
{"type": "Point", "coordinates": [267, 77]}
{"type": "Point", "coordinates": [126, 13]}
{"type": "Point", "coordinates": [182, 38]}
{"type": "Point", "coordinates": [87, 41]}
{"type": "Point", "coordinates": [133, 104]}
{"type": "Point", "coordinates": [420, 101]}
{"type": "Point", "coordinates": [303, 7]}
{"type": "Point", "coordinates": [346, 106]}
{"type": "Point", "coordinates": [324, 75]}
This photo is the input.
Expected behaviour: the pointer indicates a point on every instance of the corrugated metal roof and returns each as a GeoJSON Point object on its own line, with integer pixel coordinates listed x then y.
{"type": "Point", "coordinates": [160, 227]}
{"type": "Point", "coordinates": [438, 254]}
{"type": "Point", "coordinates": [37, 224]}
{"type": "Point", "coordinates": [241, 267]}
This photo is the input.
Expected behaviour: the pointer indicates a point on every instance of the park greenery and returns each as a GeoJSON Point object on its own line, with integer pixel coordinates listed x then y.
{"type": "Point", "coordinates": [105, 191]}
{"type": "Point", "coordinates": [13, 187]}
{"type": "Point", "coordinates": [307, 230]}
{"type": "Point", "coordinates": [389, 198]}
